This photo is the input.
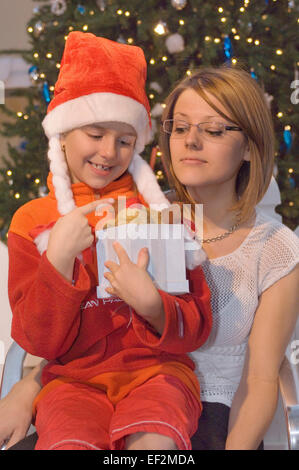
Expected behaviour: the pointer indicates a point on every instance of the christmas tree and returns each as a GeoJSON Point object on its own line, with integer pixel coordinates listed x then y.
{"type": "Point", "coordinates": [177, 37]}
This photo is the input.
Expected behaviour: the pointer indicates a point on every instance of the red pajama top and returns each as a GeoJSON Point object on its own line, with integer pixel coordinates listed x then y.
{"type": "Point", "coordinates": [102, 342]}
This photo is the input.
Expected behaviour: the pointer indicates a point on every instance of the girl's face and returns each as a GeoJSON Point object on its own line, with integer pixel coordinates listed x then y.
{"type": "Point", "coordinates": [98, 154]}
{"type": "Point", "coordinates": [202, 159]}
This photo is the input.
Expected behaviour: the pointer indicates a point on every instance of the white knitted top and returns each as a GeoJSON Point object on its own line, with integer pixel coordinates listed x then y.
{"type": "Point", "coordinates": [269, 252]}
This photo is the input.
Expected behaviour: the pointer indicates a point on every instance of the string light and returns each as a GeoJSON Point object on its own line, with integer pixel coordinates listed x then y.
{"type": "Point", "coordinates": [188, 73]}
{"type": "Point", "coordinates": [234, 60]}
{"type": "Point", "coordinates": [17, 195]}
{"type": "Point", "coordinates": [36, 55]}
{"type": "Point", "coordinates": [49, 55]}
{"type": "Point", "coordinates": [119, 12]}
{"type": "Point", "coordinates": [85, 27]}
{"type": "Point", "coordinates": [280, 114]}
{"type": "Point", "coordinates": [37, 180]}
{"type": "Point", "coordinates": [291, 203]}
{"type": "Point", "coordinates": [273, 67]}
{"type": "Point", "coordinates": [91, 12]}
{"type": "Point", "coordinates": [242, 9]}
{"type": "Point", "coordinates": [152, 61]}
{"type": "Point", "coordinates": [181, 22]}
{"type": "Point", "coordinates": [207, 38]}
{"type": "Point", "coordinates": [9, 172]}
{"type": "Point", "coordinates": [291, 170]}
{"type": "Point", "coordinates": [19, 114]}
{"type": "Point", "coordinates": [220, 9]}
{"type": "Point", "coordinates": [223, 20]}
{"type": "Point", "coordinates": [58, 65]}
{"type": "Point", "coordinates": [71, 28]}
{"type": "Point", "coordinates": [234, 30]}
{"type": "Point", "coordinates": [26, 117]}
{"type": "Point", "coordinates": [127, 13]}
{"type": "Point", "coordinates": [217, 40]}
{"type": "Point", "coordinates": [164, 58]}
{"type": "Point", "coordinates": [257, 42]}
{"type": "Point", "coordinates": [130, 40]}
{"type": "Point", "coordinates": [30, 29]}
{"type": "Point", "coordinates": [279, 52]}
{"type": "Point", "coordinates": [151, 96]}
{"type": "Point", "coordinates": [42, 75]}
{"type": "Point", "coordinates": [160, 28]}
{"type": "Point", "coordinates": [237, 37]}
{"type": "Point", "coordinates": [249, 40]}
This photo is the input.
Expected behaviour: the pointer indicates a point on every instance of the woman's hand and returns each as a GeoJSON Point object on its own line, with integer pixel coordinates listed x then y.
{"type": "Point", "coordinates": [132, 283]}
{"type": "Point", "coordinates": [16, 414]}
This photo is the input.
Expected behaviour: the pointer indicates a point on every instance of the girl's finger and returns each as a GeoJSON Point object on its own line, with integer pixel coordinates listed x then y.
{"type": "Point", "coordinates": [143, 258]}
{"type": "Point", "coordinates": [109, 276]}
{"type": "Point", "coordinates": [112, 266]}
{"type": "Point", "coordinates": [121, 253]}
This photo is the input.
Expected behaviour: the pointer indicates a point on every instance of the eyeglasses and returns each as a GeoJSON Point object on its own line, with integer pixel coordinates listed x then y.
{"type": "Point", "coordinates": [210, 130]}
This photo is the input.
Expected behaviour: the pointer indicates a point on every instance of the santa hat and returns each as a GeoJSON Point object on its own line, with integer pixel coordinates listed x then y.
{"type": "Point", "coordinates": [100, 81]}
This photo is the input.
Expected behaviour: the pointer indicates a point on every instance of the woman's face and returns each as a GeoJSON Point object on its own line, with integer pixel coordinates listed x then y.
{"type": "Point", "coordinates": [98, 154]}
{"type": "Point", "coordinates": [200, 160]}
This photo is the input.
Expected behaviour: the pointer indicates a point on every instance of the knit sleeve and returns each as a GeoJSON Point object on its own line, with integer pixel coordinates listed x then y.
{"type": "Point", "coordinates": [279, 257]}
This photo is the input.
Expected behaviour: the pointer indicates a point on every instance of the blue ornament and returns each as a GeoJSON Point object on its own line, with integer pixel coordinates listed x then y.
{"type": "Point", "coordinates": [46, 92]}
{"type": "Point", "coordinates": [287, 137]}
{"type": "Point", "coordinates": [253, 74]}
{"type": "Point", "coordinates": [228, 50]}
{"type": "Point", "coordinates": [81, 9]}
{"type": "Point", "coordinates": [33, 72]}
{"type": "Point", "coordinates": [23, 145]}
{"type": "Point", "coordinates": [292, 182]}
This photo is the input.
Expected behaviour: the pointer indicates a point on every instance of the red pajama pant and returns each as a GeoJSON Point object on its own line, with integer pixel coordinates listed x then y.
{"type": "Point", "coordinates": [78, 416]}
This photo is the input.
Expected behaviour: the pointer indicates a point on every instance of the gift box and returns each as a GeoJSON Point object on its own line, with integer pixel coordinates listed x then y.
{"type": "Point", "coordinates": [166, 248]}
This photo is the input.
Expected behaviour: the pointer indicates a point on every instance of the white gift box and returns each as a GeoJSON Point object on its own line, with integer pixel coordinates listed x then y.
{"type": "Point", "coordinates": [166, 247]}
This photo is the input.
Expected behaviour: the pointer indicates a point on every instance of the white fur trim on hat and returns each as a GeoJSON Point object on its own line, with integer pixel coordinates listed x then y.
{"type": "Point", "coordinates": [96, 108]}
{"type": "Point", "coordinates": [61, 179]}
{"type": "Point", "coordinates": [147, 184]}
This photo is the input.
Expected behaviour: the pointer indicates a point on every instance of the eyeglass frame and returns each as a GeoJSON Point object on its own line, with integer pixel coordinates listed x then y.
{"type": "Point", "coordinates": [225, 127]}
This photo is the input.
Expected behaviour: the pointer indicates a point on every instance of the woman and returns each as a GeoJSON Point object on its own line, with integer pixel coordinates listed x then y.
{"type": "Point", "coordinates": [218, 141]}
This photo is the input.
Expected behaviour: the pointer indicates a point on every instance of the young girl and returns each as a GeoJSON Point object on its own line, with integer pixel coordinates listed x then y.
{"type": "Point", "coordinates": [118, 376]}
{"type": "Point", "coordinates": [218, 139]}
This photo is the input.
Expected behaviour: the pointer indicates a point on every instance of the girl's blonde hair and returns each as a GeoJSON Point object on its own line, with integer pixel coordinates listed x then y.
{"type": "Point", "coordinates": [245, 103]}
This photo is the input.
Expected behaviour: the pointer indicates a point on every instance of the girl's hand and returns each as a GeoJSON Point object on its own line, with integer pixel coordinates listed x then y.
{"type": "Point", "coordinates": [70, 236]}
{"type": "Point", "coordinates": [132, 283]}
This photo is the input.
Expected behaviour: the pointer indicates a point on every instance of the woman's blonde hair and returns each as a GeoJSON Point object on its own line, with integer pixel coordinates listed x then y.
{"type": "Point", "coordinates": [245, 103]}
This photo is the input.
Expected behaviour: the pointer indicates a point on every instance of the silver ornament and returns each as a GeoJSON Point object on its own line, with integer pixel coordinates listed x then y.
{"type": "Point", "coordinates": [58, 7]}
{"type": "Point", "coordinates": [38, 28]}
{"type": "Point", "coordinates": [178, 4]}
{"type": "Point", "coordinates": [101, 4]}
